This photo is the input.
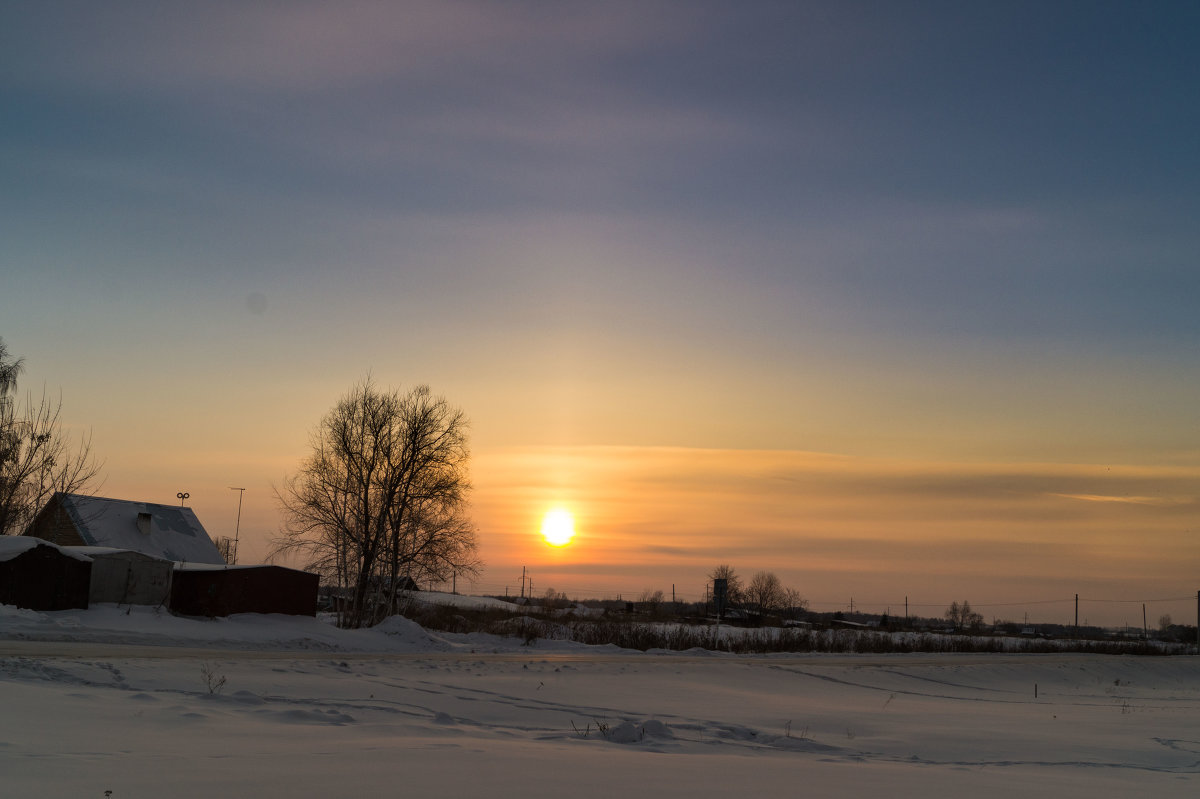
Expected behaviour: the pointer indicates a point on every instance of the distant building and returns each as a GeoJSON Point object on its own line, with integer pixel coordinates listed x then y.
{"type": "Point", "coordinates": [169, 532]}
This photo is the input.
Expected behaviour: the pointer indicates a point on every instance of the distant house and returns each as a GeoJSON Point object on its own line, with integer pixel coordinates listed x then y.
{"type": "Point", "coordinates": [169, 532]}
{"type": "Point", "coordinates": [38, 575]}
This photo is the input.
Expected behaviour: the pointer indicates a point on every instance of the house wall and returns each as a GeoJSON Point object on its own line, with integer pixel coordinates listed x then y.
{"type": "Point", "coordinates": [43, 578]}
{"type": "Point", "coordinates": [55, 525]}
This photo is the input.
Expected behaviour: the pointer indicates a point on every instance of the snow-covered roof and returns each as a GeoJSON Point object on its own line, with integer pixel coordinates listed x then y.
{"type": "Point", "coordinates": [99, 552]}
{"type": "Point", "coordinates": [171, 532]}
{"type": "Point", "coordinates": [197, 567]}
{"type": "Point", "coordinates": [12, 546]}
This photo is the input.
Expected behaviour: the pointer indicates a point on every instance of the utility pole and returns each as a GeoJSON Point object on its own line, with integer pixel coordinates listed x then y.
{"type": "Point", "coordinates": [1077, 615]}
{"type": "Point", "coordinates": [238, 527]}
{"type": "Point", "coordinates": [522, 582]}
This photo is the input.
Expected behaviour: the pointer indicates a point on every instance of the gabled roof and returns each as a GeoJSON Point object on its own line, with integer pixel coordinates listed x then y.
{"type": "Point", "coordinates": [164, 531]}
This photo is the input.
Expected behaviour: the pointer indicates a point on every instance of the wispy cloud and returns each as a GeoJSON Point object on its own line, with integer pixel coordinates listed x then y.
{"type": "Point", "coordinates": [1133, 500]}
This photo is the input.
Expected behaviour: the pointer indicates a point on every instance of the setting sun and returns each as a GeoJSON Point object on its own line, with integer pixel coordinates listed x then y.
{"type": "Point", "coordinates": [558, 527]}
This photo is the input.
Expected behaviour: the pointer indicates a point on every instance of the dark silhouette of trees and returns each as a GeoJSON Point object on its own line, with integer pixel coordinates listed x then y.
{"type": "Point", "coordinates": [383, 497]}
{"type": "Point", "coordinates": [962, 617]}
{"type": "Point", "coordinates": [36, 457]}
{"type": "Point", "coordinates": [734, 593]}
{"type": "Point", "coordinates": [794, 604]}
{"type": "Point", "coordinates": [765, 593]}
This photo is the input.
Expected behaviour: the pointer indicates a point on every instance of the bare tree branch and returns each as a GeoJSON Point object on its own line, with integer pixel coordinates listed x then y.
{"type": "Point", "coordinates": [37, 458]}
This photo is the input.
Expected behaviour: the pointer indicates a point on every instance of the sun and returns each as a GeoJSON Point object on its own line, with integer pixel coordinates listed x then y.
{"type": "Point", "coordinates": [558, 527]}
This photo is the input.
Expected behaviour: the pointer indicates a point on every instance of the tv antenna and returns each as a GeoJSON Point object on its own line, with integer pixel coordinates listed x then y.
{"type": "Point", "coordinates": [238, 527]}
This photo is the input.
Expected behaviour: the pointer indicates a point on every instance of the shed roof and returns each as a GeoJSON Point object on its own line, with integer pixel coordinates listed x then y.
{"type": "Point", "coordinates": [102, 552]}
{"type": "Point", "coordinates": [12, 546]}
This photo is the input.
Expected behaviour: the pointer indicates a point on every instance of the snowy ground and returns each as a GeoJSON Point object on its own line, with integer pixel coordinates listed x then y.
{"type": "Point", "coordinates": [100, 700]}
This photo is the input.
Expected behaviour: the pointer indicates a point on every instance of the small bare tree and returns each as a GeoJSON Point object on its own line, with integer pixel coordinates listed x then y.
{"type": "Point", "coordinates": [794, 604]}
{"type": "Point", "coordinates": [382, 497]}
{"type": "Point", "coordinates": [962, 617]}
{"type": "Point", "coordinates": [766, 593]}
{"type": "Point", "coordinates": [37, 458]}
{"type": "Point", "coordinates": [651, 601]}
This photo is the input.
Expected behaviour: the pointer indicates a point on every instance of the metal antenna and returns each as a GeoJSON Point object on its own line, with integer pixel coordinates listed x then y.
{"type": "Point", "coordinates": [181, 496]}
{"type": "Point", "coordinates": [237, 529]}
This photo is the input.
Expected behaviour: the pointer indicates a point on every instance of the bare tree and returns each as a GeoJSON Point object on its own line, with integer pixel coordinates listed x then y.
{"type": "Point", "coordinates": [793, 603]}
{"type": "Point", "coordinates": [651, 601]}
{"type": "Point", "coordinates": [962, 616]}
{"type": "Point", "coordinates": [383, 496]}
{"type": "Point", "coordinates": [734, 592]}
{"type": "Point", "coordinates": [554, 600]}
{"type": "Point", "coordinates": [37, 458]}
{"type": "Point", "coordinates": [9, 371]}
{"type": "Point", "coordinates": [766, 593]}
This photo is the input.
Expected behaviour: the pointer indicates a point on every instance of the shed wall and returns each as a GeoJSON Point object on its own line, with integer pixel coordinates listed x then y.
{"type": "Point", "coordinates": [129, 578]}
{"type": "Point", "coordinates": [255, 589]}
{"type": "Point", "coordinates": [43, 578]}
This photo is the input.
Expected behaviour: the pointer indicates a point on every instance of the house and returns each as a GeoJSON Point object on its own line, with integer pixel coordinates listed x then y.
{"type": "Point", "coordinates": [169, 532]}
{"type": "Point", "coordinates": [38, 575]}
{"type": "Point", "coordinates": [125, 577]}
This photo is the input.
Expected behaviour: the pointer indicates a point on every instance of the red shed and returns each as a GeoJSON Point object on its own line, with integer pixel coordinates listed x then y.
{"type": "Point", "coordinates": [198, 590]}
{"type": "Point", "coordinates": [38, 575]}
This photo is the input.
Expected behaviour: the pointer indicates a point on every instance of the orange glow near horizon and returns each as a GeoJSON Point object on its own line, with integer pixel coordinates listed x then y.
{"type": "Point", "coordinates": [836, 526]}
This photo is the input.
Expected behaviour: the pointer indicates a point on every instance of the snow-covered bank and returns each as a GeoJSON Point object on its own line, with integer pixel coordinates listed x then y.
{"type": "Point", "coordinates": [451, 722]}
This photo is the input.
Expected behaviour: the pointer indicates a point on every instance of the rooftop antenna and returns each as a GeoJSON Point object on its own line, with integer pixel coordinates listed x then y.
{"type": "Point", "coordinates": [238, 528]}
{"type": "Point", "coordinates": [181, 496]}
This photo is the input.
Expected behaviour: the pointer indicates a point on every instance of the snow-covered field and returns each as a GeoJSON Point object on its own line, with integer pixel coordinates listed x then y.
{"type": "Point", "coordinates": [148, 705]}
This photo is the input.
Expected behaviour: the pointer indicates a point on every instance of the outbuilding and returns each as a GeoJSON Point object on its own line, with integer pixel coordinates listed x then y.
{"type": "Point", "coordinates": [199, 590]}
{"type": "Point", "coordinates": [126, 577]}
{"type": "Point", "coordinates": [39, 575]}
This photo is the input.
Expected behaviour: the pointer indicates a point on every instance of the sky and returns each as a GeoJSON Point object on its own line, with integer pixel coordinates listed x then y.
{"type": "Point", "coordinates": [896, 300]}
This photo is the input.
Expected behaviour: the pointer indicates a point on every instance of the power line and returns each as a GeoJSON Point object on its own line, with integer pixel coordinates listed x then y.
{"type": "Point", "coordinates": [1139, 601]}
